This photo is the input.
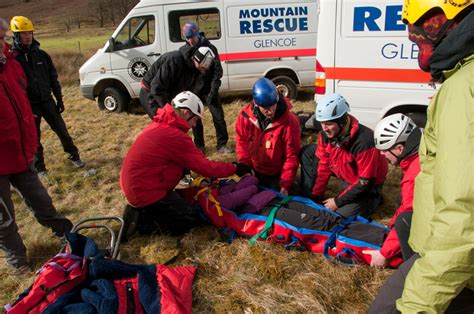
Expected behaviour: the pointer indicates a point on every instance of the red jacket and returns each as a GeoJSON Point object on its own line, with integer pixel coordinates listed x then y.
{"type": "Point", "coordinates": [18, 139]}
{"type": "Point", "coordinates": [352, 160]}
{"type": "Point", "coordinates": [273, 150]}
{"type": "Point", "coordinates": [156, 161]}
{"type": "Point", "coordinates": [410, 167]}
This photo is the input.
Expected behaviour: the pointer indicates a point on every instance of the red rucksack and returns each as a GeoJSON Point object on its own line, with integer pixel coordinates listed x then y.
{"type": "Point", "coordinates": [58, 276]}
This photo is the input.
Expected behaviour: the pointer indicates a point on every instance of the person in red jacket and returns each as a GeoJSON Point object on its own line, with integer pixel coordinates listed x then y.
{"type": "Point", "coordinates": [267, 137]}
{"type": "Point", "coordinates": [155, 164]}
{"type": "Point", "coordinates": [17, 150]}
{"type": "Point", "coordinates": [398, 138]}
{"type": "Point", "coordinates": [345, 149]}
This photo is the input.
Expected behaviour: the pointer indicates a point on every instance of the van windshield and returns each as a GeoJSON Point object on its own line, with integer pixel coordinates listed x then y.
{"type": "Point", "coordinates": [137, 32]}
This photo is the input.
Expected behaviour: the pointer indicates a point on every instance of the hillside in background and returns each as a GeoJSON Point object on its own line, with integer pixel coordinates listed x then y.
{"type": "Point", "coordinates": [55, 17]}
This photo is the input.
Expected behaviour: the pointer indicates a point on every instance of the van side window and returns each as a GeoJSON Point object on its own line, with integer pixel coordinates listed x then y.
{"type": "Point", "coordinates": [208, 20]}
{"type": "Point", "coordinates": [137, 32]}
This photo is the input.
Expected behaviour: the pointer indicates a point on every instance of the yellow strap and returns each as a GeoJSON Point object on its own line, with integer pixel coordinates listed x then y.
{"type": "Point", "coordinates": [211, 198]}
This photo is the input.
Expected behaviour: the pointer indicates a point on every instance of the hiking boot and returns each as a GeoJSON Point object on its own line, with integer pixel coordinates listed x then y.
{"type": "Point", "coordinates": [225, 150]}
{"type": "Point", "coordinates": [77, 162]}
{"type": "Point", "coordinates": [130, 222]}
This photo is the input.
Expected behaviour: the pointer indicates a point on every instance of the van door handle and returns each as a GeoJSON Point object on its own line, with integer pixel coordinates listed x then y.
{"type": "Point", "coordinates": [151, 54]}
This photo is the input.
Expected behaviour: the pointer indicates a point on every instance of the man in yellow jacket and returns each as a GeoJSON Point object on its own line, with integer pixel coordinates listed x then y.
{"type": "Point", "coordinates": [441, 276]}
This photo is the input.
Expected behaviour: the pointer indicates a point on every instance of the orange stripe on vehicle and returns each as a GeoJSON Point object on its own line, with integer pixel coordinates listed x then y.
{"type": "Point", "coordinates": [378, 74]}
{"type": "Point", "coordinates": [310, 52]}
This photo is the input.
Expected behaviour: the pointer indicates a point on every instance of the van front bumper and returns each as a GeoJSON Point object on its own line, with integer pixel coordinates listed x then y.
{"type": "Point", "coordinates": [87, 91]}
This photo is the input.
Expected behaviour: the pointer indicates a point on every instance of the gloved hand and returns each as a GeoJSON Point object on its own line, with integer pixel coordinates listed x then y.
{"type": "Point", "coordinates": [60, 105]}
{"type": "Point", "coordinates": [242, 169]}
{"type": "Point", "coordinates": [210, 97]}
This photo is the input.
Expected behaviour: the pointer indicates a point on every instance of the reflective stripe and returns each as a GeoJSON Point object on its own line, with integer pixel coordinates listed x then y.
{"type": "Point", "coordinates": [378, 74]}
{"type": "Point", "coordinates": [309, 52]}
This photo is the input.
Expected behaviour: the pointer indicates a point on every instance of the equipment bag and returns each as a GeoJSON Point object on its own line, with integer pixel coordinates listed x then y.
{"type": "Point", "coordinates": [58, 276]}
{"type": "Point", "coordinates": [68, 283]}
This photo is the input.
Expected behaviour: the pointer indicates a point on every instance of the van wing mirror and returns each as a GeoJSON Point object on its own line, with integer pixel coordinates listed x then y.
{"type": "Point", "coordinates": [111, 45]}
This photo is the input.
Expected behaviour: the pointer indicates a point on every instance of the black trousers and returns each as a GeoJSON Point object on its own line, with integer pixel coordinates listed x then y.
{"type": "Point", "coordinates": [391, 291]}
{"type": "Point", "coordinates": [170, 215]}
{"type": "Point", "coordinates": [402, 227]}
{"type": "Point", "coordinates": [49, 112]}
{"type": "Point", "coordinates": [39, 202]}
{"type": "Point", "coordinates": [364, 206]}
{"type": "Point", "coordinates": [215, 107]}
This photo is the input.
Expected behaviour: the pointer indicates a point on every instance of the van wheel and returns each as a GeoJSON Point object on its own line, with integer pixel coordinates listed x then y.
{"type": "Point", "coordinates": [418, 117]}
{"type": "Point", "coordinates": [286, 86]}
{"type": "Point", "coordinates": [113, 100]}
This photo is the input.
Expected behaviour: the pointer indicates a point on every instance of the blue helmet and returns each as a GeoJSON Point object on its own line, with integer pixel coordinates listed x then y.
{"type": "Point", "coordinates": [331, 107]}
{"type": "Point", "coordinates": [265, 93]}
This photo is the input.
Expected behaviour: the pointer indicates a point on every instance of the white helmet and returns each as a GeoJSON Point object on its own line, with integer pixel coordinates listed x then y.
{"type": "Point", "coordinates": [392, 130]}
{"type": "Point", "coordinates": [189, 101]}
{"type": "Point", "coordinates": [204, 56]}
{"type": "Point", "coordinates": [331, 107]}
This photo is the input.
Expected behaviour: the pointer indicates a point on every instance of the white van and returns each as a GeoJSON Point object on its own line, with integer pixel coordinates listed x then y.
{"type": "Point", "coordinates": [364, 54]}
{"type": "Point", "coordinates": [255, 38]}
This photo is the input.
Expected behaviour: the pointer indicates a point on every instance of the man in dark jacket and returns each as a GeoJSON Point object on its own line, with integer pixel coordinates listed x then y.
{"type": "Point", "coordinates": [42, 80]}
{"type": "Point", "coordinates": [174, 72]}
{"type": "Point", "coordinates": [17, 149]}
{"type": "Point", "coordinates": [347, 150]}
{"type": "Point", "coordinates": [208, 91]}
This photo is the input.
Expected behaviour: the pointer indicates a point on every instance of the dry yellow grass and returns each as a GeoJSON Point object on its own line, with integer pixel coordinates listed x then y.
{"type": "Point", "coordinates": [231, 278]}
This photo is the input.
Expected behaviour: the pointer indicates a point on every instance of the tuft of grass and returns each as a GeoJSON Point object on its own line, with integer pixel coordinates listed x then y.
{"type": "Point", "coordinates": [231, 277]}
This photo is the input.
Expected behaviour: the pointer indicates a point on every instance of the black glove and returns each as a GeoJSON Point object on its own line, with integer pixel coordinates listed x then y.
{"type": "Point", "coordinates": [210, 97]}
{"type": "Point", "coordinates": [60, 105]}
{"type": "Point", "coordinates": [242, 169]}
{"type": "Point", "coordinates": [317, 199]}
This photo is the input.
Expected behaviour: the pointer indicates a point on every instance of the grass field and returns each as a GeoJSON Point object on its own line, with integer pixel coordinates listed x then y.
{"type": "Point", "coordinates": [235, 277]}
{"type": "Point", "coordinates": [231, 278]}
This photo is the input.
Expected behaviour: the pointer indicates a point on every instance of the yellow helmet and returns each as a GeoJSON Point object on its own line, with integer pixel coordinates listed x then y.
{"type": "Point", "coordinates": [413, 10]}
{"type": "Point", "coordinates": [21, 24]}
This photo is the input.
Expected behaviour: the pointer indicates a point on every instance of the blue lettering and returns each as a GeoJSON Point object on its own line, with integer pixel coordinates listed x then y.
{"type": "Point", "coordinates": [273, 12]}
{"type": "Point", "coordinates": [279, 25]}
{"type": "Point", "coordinates": [244, 14]}
{"type": "Point", "coordinates": [393, 18]}
{"type": "Point", "coordinates": [414, 51]}
{"type": "Point", "coordinates": [401, 52]}
{"type": "Point", "coordinates": [303, 11]}
{"type": "Point", "coordinates": [245, 27]}
{"type": "Point", "coordinates": [389, 54]}
{"type": "Point", "coordinates": [303, 23]}
{"type": "Point", "coordinates": [267, 26]}
{"type": "Point", "coordinates": [291, 24]}
{"type": "Point", "coordinates": [366, 16]}
{"type": "Point", "coordinates": [255, 13]}
{"type": "Point", "coordinates": [392, 51]}
{"type": "Point", "coordinates": [257, 26]}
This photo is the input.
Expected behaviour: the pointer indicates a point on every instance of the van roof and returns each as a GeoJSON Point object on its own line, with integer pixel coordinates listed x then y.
{"type": "Point", "coordinates": [172, 1]}
{"type": "Point", "coordinates": [155, 2]}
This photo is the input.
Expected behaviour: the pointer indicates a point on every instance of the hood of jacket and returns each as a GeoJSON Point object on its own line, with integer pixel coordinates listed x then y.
{"type": "Point", "coordinates": [187, 52]}
{"type": "Point", "coordinates": [167, 116]}
{"type": "Point", "coordinates": [457, 45]}
{"type": "Point", "coordinates": [18, 47]}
